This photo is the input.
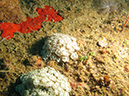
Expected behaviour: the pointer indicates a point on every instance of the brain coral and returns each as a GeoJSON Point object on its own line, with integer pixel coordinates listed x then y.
{"type": "Point", "coordinates": [60, 47]}
{"type": "Point", "coordinates": [44, 82]}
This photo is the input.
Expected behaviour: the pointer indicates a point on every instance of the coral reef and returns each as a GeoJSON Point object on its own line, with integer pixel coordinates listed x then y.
{"type": "Point", "coordinates": [10, 11]}
{"type": "Point", "coordinates": [108, 6]}
{"type": "Point", "coordinates": [60, 47]}
{"type": "Point", "coordinates": [44, 82]}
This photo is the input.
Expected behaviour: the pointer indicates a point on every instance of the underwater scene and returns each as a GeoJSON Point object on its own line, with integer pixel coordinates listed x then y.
{"type": "Point", "coordinates": [64, 47]}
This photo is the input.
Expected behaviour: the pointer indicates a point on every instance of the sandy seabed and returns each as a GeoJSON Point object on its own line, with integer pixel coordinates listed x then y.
{"type": "Point", "coordinates": [105, 72]}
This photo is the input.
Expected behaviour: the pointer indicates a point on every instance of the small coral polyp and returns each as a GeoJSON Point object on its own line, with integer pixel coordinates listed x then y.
{"type": "Point", "coordinates": [60, 47]}
{"type": "Point", "coordinates": [108, 6]}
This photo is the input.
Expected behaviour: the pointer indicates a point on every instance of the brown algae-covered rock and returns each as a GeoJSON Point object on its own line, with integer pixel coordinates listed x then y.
{"type": "Point", "coordinates": [10, 11]}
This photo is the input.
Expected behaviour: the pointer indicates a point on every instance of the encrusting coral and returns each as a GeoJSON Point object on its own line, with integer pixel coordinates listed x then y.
{"type": "Point", "coordinates": [10, 11]}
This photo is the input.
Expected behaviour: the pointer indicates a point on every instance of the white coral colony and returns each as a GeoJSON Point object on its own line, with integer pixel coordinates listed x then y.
{"type": "Point", "coordinates": [44, 82]}
{"type": "Point", "coordinates": [60, 47]}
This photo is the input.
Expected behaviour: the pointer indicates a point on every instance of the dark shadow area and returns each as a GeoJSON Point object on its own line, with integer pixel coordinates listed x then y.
{"type": "Point", "coordinates": [36, 48]}
{"type": "Point", "coordinates": [11, 89]}
{"type": "Point", "coordinates": [96, 3]}
{"type": "Point", "coordinates": [1, 64]}
{"type": "Point", "coordinates": [26, 63]}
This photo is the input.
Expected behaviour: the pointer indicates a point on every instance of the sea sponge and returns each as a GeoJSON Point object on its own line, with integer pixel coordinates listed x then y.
{"type": "Point", "coordinates": [108, 6]}
{"type": "Point", "coordinates": [31, 24]}
{"type": "Point", "coordinates": [60, 47]}
{"type": "Point", "coordinates": [44, 82]}
{"type": "Point", "coordinates": [10, 11]}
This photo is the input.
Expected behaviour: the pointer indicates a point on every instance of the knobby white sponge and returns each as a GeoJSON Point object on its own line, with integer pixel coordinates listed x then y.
{"type": "Point", "coordinates": [44, 82]}
{"type": "Point", "coordinates": [60, 47]}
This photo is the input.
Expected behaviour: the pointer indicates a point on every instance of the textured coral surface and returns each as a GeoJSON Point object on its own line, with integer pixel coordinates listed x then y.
{"type": "Point", "coordinates": [60, 47]}
{"type": "Point", "coordinates": [44, 82]}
